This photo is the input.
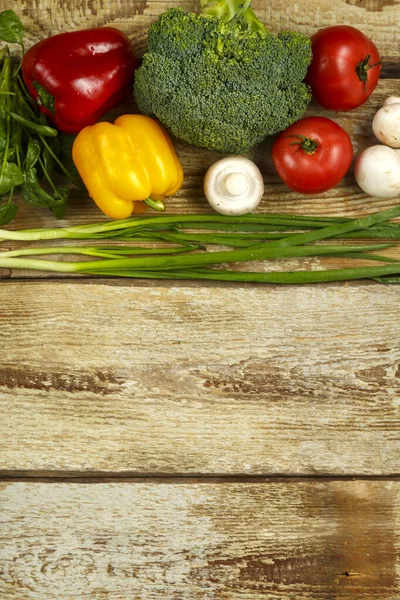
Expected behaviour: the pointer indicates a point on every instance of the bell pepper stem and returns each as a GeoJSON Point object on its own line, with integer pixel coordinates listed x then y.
{"type": "Point", "coordinates": [157, 205]}
{"type": "Point", "coordinates": [43, 97]}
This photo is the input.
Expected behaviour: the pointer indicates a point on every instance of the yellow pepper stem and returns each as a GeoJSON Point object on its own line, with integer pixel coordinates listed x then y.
{"type": "Point", "coordinates": [155, 204]}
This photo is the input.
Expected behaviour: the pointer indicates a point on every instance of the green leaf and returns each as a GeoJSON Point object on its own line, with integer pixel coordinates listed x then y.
{"type": "Point", "coordinates": [26, 110]}
{"type": "Point", "coordinates": [42, 119]}
{"type": "Point", "coordinates": [15, 139]}
{"type": "Point", "coordinates": [63, 191]}
{"type": "Point", "coordinates": [32, 153]}
{"type": "Point", "coordinates": [10, 177]}
{"type": "Point", "coordinates": [35, 195]}
{"type": "Point", "coordinates": [59, 211]}
{"type": "Point", "coordinates": [11, 155]}
{"type": "Point", "coordinates": [4, 51]}
{"type": "Point", "coordinates": [66, 142]}
{"type": "Point", "coordinates": [7, 213]}
{"type": "Point", "coordinates": [55, 145]}
{"type": "Point", "coordinates": [44, 98]}
{"type": "Point", "coordinates": [11, 28]}
{"type": "Point", "coordinates": [48, 160]}
{"type": "Point", "coordinates": [40, 129]}
{"type": "Point", "coordinates": [3, 128]}
{"type": "Point", "coordinates": [3, 135]}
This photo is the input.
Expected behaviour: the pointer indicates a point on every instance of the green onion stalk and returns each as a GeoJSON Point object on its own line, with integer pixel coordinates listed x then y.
{"type": "Point", "coordinates": [166, 263]}
{"type": "Point", "coordinates": [137, 226]}
{"type": "Point", "coordinates": [184, 258]}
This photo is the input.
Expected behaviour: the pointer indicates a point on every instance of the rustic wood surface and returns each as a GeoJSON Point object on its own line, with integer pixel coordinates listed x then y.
{"type": "Point", "coordinates": [182, 379]}
{"type": "Point", "coordinates": [377, 18]}
{"type": "Point", "coordinates": [200, 541]}
{"type": "Point", "coordinates": [103, 380]}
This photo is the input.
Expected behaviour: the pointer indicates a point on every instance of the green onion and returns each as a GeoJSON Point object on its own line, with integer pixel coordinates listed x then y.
{"type": "Point", "coordinates": [332, 226]}
{"type": "Point", "coordinates": [392, 280]}
{"type": "Point", "coordinates": [260, 252]}
{"type": "Point", "coordinates": [99, 251]}
{"type": "Point", "coordinates": [337, 230]}
{"type": "Point", "coordinates": [86, 231]}
{"type": "Point", "coordinates": [375, 233]}
{"type": "Point", "coordinates": [280, 277]}
{"type": "Point", "coordinates": [178, 260]}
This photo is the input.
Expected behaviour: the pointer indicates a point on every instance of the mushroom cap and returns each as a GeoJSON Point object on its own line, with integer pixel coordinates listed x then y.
{"type": "Point", "coordinates": [233, 185]}
{"type": "Point", "coordinates": [377, 171]}
{"type": "Point", "coordinates": [386, 123]}
{"type": "Point", "coordinates": [391, 100]}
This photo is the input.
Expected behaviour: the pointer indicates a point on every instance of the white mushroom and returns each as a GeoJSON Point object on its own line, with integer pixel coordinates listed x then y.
{"type": "Point", "coordinates": [391, 100]}
{"type": "Point", "coordinates": [386, 123]}
{"type": "Point", "coordinates": [377, 171]}
{"type": "Point", "coordinates": [233, 185]}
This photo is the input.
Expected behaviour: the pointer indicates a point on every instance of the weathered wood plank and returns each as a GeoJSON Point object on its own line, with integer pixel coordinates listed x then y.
{"type": "Point", "coordinates": [377, 18]}
{"type": "Point", "coordinates": [178, 379]}
{"type": "Point", "coordinates": [219, 541]}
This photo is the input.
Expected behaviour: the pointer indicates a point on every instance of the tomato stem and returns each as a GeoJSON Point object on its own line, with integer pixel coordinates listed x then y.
{"type": "Point", "coordinates": [309, 145]}
{"type": "Point", "coordinates": [363, 67]}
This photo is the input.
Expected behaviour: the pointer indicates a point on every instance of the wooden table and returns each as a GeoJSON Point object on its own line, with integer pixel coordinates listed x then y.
{"type": "Point", "coordinates": [203, 441]}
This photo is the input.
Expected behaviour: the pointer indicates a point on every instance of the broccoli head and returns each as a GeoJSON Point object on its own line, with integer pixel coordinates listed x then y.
{"type": "Point", "coordinates": [220, 79]}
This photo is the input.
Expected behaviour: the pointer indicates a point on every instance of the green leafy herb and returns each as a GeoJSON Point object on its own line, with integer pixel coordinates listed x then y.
{"type": "Point", "coordinates": [66, 142]}
{"type": "Point", "coordinates": [3, 133]}
{"type": "Point", "coordinates": [11, 28]}
{"type": "Point", "coordinates": [58, 211]}
{"type": "Point", "coordinates": [30, 151]}
{"type": "Point", "coordinates": [7, 213]}
{"type": "Point", "coordinates": [35, 195]}
{"type": "Point", "coordinates": [10, 177]}
{"type": "Point", "coordinates": [36, 127]}
{"type": "Point", "coordinates": [48, 160]}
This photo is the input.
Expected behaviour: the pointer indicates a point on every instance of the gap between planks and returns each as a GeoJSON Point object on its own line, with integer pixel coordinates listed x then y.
{"type": "Point", "coordinates": [390, 68]}
{"type": "Point", "coordinates": [138, 282]}
{"type": "Point", "coordinates": [129, 477]}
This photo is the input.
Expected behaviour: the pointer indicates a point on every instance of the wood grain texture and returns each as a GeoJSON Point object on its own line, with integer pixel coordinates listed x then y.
{"type": "Point", "coordinates": [178, 379]}
{"type": "Point", "coordinates": [169, 378]}
{"type": "Point", "coordinates": [377, 18]}
{"type": "Point", "coordinates": [150, 541]}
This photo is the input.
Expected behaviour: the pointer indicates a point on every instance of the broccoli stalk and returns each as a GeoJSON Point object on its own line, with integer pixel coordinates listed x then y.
{"type": "Point", "coordinates": [234, 11]}
{"type": "Point", "coordinates": [220, 79]}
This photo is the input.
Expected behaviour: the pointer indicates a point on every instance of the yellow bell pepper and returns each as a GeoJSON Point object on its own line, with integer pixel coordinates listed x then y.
{"type": "Point", "coordinates": [127, 165]}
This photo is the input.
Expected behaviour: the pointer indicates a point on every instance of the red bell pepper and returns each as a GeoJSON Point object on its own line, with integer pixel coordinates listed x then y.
{"type": "Point", "coordinates": [76, 77]}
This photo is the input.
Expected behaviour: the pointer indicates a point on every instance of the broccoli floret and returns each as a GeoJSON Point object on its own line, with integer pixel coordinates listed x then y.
{"type": "Point", "coordinates": [220, 79]}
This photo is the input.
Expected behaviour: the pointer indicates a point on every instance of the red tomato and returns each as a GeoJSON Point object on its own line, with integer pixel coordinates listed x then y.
{"type": "Point", "coordinates": [345, 67]}
{"type": "Point", "coordinates": [312, 155]}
